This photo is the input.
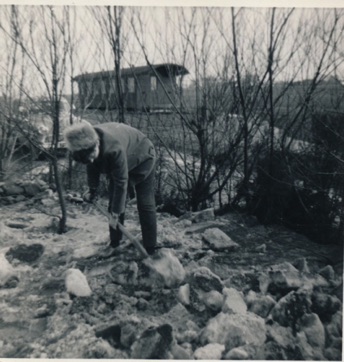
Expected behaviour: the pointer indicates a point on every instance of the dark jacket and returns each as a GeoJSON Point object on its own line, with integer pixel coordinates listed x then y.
{"type": "Point", "coordinates": [122, 148]}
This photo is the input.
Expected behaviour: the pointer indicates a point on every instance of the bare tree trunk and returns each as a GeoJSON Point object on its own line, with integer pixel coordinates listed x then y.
{"type": "Point", "coordinates": [115, 26]}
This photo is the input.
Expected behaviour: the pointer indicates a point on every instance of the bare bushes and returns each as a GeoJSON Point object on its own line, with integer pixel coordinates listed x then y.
{"type": "Point", "coordinates": [287, 191]}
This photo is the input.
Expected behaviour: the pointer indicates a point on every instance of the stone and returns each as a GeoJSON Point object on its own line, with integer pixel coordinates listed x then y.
{"type": "Point", "coordinates": [243, 281]}
{"type": "Point", "coordinates": [85, 252]}
{"type": "Point", "coordinates": [12, 189]}
{"type": "Point", "coordinates": [129, 334]}
{"type": "Point", "coordinates": [213, 300]}
{"type": "Point", "coordinates": [184, 294]}
{"type": "Point", "coordinates": [180, 353]}
{"type": "Point", "coordinates": [325, 305]}
{"type": "Point", "coordinates": [259, 304]}
{"type": "Point", "coordinates": [212, 351]}
{"type": "Point", "coordinates": [201, 227]}
{"type": "Point", "coordinates": [270, 351]}
{"type": "Point", "coordinates": [124, 273]}
{"type": "Point", "coordinates": [154, 343]}
{"type": "Point", "coordinates": [302, 265]}
{"type": "Point", "coordinates": [218, 240]}
{"type": "Point", "coordinates": [76, 283]}
{"type": "Point", "coordinates": [26, 253]}
{"type": "Point", "coordinates": [314, 330]}
{"type": "Point", "coordinates": [167, 267]}
{"type": "Point", "coordinates": [290, 308]}
{"type": "Point", "coordinates": [237, 353]}
{"type": "Point", "coordinates": [180, 319]}
{"type": "Point", "coordinates": [203, 278]}
{"type": "Point", "coordinates": [334, 328]}
{"type": "Point", "coordinates": [282, 336]}
{"type": "Point", "coordinates": [32, 189]}
{"type": "Point", "coordinates": [7, 271]}
{"type": "Point", "coordinates": [327, 272]}
{"type": "Point", "coordinates": [305, 350]}
{"type": "Point", "coordinates": [234, 330]}
{"type": "Point", "coordinates": [334, 351]}
{"type": "Point", "coordinates": [204, 215]}
{"type": "Point", "coordinates": [234, 301]}
{"type": "Point", "coordinates": [110, 333]}
{"type": "Point", "coordinates": [280, 278]}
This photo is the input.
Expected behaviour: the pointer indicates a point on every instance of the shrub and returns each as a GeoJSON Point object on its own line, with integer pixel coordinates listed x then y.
{"type": "Point", "coordinates": [287, 192]}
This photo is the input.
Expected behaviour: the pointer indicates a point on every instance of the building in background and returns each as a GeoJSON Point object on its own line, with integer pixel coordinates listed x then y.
{"type": "Point", "coordinates": [151, 87]}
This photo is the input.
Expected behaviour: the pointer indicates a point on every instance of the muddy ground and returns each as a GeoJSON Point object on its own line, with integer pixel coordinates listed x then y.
{"type": "Point", "coordinates": [245, 292]}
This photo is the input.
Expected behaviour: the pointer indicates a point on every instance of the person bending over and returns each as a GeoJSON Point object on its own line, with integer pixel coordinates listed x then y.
{"type": "Point", "coordinates": [126, 156]}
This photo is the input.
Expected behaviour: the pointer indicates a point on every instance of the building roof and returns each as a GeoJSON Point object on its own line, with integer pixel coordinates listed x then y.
{"type": "Point", "coordinates": [164, 69]}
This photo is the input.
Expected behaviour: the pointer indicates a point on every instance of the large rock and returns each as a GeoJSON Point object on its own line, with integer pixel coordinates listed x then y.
{"type": "Point", "coordinates": [234, 330]}
{"type": "Point", "coordinates": [154, 343]}
{"type": "Point", "coordinates": [204, 215]}
{"type": "Point", "coordinates": [325, 305]}
{"type": "Point", "coordinates": [304, 351]}
{"type": "Point", "coordinates": [124, 273]}
{"type": "Point", "coordinates": [184, 294]}
{"type": "Point", "coordinates": [204, 279]}
{"type": "Point", "coordinates": [178, 352]}
{"type": "Point", "coordinates": [12, 189]}
{"type": "Point", "coordinates": [289, 309]}
{"type": "Point", "coordinates": [334, 351]}
{"type": "Point", "coordinates": [111, 333]}
{"type": "Point", "coordinates": [259, 304]}
{"type": "Point", "coordinates": [237, 353]}
{"type": "Point", "coordinates": [335, 327]}
{"type": "Point", "coordinates": [314, 330]}
{"type": "Point", "coordinates": [281, 278]}
{"type": "Point", "coordinates": [212, 351]}
{"type": "Point", "coordinates": [282, 336]}
{"type": "Point", "coordinates": [184, 328]}
{"type": "Point", "coordinates": [218, 240]}
{"type": "Point", "coordinates": [327, 272]}
{"type": "Point", "coordinates": [213, 300]}
{"type": "Point", "coordinates": [234, 301]}
{"type": "Point", "coordinates": [32, 189]}
{"type": "Point", "coordinates": [76, 283]}
{"type": "Point", "coordinates": [202, 226]}
{"type": "Point", "coordinates": [166, 267]}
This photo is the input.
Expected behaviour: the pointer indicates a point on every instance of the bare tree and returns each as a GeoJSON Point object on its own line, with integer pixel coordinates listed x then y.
{"type": "Point", "coordinates": [110, 19]}
{"type": "Point", "coordinates": [48, 61]}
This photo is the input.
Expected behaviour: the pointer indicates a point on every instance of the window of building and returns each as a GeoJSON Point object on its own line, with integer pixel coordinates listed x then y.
{"type": "Point", "coordinates": [89, 87]}
{"type": "Point", "coordinates": [153, 83]}
{"type": "Point", "coordinates": [112, 86]}
{"type": "Point", "coordinates": [102, 86]}
{"type": "Point", "coordinates": [131, 85]}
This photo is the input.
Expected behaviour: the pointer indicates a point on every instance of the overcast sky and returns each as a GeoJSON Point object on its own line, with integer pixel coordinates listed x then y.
{"type": "Point", "coordinates": [161, 32]}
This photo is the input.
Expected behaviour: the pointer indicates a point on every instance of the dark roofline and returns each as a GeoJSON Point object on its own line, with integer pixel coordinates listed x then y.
{"type": "Point", "coordinates": [174, 69]}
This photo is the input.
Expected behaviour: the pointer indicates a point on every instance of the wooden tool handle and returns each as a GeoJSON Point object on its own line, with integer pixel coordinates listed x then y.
{"type": "Point", "coordinates": [131, 237]}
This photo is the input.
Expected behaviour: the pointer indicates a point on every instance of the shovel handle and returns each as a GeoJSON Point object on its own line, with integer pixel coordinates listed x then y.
{"type": "Point", "coordinates": [130, 236]}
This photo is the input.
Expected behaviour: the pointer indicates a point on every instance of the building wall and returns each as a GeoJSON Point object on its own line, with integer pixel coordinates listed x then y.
{"type": "Point", "coordinates": [140, 92]}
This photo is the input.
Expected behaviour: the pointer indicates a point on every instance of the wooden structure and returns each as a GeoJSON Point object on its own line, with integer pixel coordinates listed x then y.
{"type": "Point", "coordinates": [150, 87]}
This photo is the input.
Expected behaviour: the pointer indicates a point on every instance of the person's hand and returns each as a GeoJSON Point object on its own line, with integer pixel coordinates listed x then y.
{"type": "Point", "coordinates": [113, 220]}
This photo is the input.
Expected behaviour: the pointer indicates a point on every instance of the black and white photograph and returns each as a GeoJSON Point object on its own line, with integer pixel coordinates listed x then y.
{"type": "Point", "coordinates": [171, 180]}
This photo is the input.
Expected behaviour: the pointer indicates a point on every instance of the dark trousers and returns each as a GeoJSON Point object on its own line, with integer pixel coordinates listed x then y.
{"type": "Point", "coordinates": [142, 178]}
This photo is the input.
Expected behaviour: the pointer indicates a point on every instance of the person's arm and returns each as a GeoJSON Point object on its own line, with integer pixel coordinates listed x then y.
{"type": "Point", "coordinates": [118, 165]}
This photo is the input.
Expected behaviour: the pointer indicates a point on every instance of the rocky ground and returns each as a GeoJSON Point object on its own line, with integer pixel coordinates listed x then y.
{"type": "Point", "coordinates": [241, 290]}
